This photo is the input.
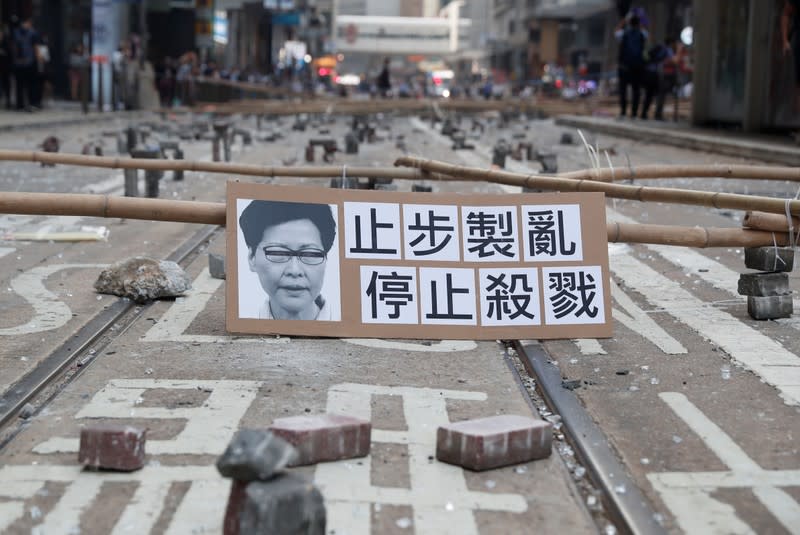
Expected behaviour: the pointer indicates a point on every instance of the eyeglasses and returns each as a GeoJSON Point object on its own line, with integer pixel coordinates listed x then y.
{"type": "Point", "coordinates": [280, 255]}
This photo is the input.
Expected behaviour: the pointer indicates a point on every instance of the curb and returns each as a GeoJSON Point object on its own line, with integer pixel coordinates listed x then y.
{"type": "Point", "coordinates": [94, 117]}
{"type": "Point", "coordinates": [706, 142]}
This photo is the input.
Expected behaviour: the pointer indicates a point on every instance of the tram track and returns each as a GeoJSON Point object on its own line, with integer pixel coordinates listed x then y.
{"type": "Point", "coordinates": [80, 349]}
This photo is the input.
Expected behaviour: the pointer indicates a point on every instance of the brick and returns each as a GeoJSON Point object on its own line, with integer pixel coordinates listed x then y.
{"type": "Point", "coordinates": [769, 258]}
{"type": "Point", "coordinates": [324, 437]}
{"type": "Point", "coordinates": [770, 308]}
{"type": "Point", "coordinates": [486, 443]}
{"type": "Point", "coordinates": [255, 455]}
{"type": "Point", "coordinates": [764, 284]}
{"type": "Point", "coordinates": [112, 447]}
{"type": "Point", "coordinates": [233, 512]}
{"type": "Point", "coordinates": [286, 505]}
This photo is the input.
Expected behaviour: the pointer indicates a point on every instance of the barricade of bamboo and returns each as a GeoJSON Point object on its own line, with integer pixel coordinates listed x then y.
{"type": "Point", "coordinates": [750, 172]}
{"type": "Point", "coordinates": [108, 206]}
{"type": "Point", "coordinates": [770, 222]}
{"type": "Point", "coordinates": [619, 191]}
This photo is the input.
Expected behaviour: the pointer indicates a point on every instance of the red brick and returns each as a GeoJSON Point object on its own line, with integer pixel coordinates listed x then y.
{"type": "Point", "coordinates": [325, 437]}
{"type": "Point", "coordinates": [112, 447]}
{"type": "Point", "coordinates": [486, 443]}
{"type": "Point", "coordinates": [233, 512]}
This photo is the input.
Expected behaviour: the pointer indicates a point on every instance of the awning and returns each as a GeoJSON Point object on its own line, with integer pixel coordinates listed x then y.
{"type": "Point", "coordinates": [571, 9]}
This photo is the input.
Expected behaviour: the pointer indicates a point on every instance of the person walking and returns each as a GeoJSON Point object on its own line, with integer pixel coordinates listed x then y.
{"type": "Point", "coordinates": [632, 41]}
{"type": "Point", "coordinates": [384, 82]}
{"type": "Point", "coordinates": [25, 40]}
{"type": "Point", "coordinates": [657, 56]}
{"type": "Point", "coordinates": [5, 66]}
{"type": "Point", "coordinates": [667, 77]}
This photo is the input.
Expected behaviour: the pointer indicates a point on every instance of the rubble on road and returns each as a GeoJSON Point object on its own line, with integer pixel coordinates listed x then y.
{"type": "Point", "coordinates": [143, 279]}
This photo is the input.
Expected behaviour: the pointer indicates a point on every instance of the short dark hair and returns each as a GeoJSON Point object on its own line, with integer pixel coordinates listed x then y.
{"type": "Point", "coordinates": [260, 215]}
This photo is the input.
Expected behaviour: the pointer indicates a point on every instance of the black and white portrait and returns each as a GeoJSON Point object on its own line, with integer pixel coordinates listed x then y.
{"type": "Point", "coordinates": [288, 260]}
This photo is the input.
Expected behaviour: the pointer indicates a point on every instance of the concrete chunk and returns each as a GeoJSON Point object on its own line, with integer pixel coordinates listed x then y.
{"type": "Point", "coordinates": [770, 308]}
{"type": "Point", "coordinates": [324, 437]}
{"type": "Point", "coordinates": [216, 265]}
{"type": "Point", "coordinates": [142, 279]}
{"type": "Point", "coordinates": [486, 443]}
{"type": "Point", "coordinates": [112, 447]}
{"type": "Point", "coordinates": [764, 284]}
{"type": "Point", "coordinates": [287, 505]}
{"type": "Point", "coordinates": [769, 258]}
{"type": "Point", "coordinates": [255, 455]}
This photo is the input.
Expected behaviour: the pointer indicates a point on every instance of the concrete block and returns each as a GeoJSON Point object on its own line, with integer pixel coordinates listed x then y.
{"type": "Point", "coordinates": [112, 447]}
{"type": "Point", "coordinates": [287, 505]}
{"type": "Point", "coordinates": [216, 265]}
{"type": "Point", "coordinates": [769, 258]}
{"type": "Point", "coordinates": [324, 437]}
{"type": "Point", "coordinates": [486, 443]}
{"type": "Point", "coordinates": [255, 454]}
{"type": "Point", "coordinates": [769, 308]}
{"type": "Point", "coordinates": [764, 284]}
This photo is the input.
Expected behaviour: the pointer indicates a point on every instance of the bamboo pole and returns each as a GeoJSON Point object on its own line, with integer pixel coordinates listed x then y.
{"type": "Point", "coordinates": [219, 167]}
{"type": "Point", "coordinates": [87, 205]}
{"type": "Point", "coordinates": [770, 222]}
{"type": "Point", "coordinates": [754, 172]}
{"type": "Point", "coordinates": [619, 191]}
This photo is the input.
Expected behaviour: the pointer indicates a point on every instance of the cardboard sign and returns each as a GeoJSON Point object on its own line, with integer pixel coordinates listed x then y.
{"type": "Point", "coordinates": [375, 264]}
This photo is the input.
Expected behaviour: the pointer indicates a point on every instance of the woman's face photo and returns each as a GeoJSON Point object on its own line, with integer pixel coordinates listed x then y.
{"type": "Point", "coordinates": [290, 263]}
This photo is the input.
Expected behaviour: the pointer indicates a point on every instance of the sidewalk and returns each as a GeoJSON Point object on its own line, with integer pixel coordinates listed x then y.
{"type": "Point", "coordinates": [770, 149]}
{"type": "Point", "coordinates": [59, 114]}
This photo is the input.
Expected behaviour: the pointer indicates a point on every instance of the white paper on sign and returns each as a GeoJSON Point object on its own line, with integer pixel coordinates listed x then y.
{"type": "Point", "coordinates": [552, 232]}
{"type": "Point", "coordinates": [447, 296]}
{"type": "Point", "coordinates": [510, 296]}
{"type": "Point", "coordinates": [430, 232]}
{"type": "Point", "coordinates": [490, 233]}
{"type": "Point", "coordinates": [573, 295]}
{"type": "Point", "coordinates": [389, 295]}
{"type": "Point", "coordinates": [372, 230]}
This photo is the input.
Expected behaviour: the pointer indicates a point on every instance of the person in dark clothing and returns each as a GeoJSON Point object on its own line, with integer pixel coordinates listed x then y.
{"type": "Point", "coordinates": [632, 41]}
{"type": "Point", "coordinates": [383, 82]}
{"type": "Point", "coordinates": [653, 76]}
{"type": "Point", "coordinates": [790, 41]}
{"type": "Point", "coordinates": [24, 46]}
{"type": "Point", "coordinates": [5, 66]}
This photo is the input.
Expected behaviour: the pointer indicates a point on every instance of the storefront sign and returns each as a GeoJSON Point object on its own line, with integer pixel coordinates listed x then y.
{"type": "Point", "coordinates": [416, 265]}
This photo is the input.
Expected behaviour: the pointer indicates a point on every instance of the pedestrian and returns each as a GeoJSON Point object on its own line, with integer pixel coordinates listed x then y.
{"type": "Point", "coordinates": [5, 65]}
{"type": "Point", "coordinates": [24, 42]}
{"type": "Point", "coordinates": [656, 57]}
{"type": "Point", "coordinates": [632, 41]}
{"type": "Point", "coordinates": [383, 81]}
{"type": "Point", "coordinates": [41, 78]}
{"type": "Point", "coordinates": [790, 42]}
{"type": "Point", "coordinates": [667, 76]}
{"type": "Point", "coordinates": [78, 63]}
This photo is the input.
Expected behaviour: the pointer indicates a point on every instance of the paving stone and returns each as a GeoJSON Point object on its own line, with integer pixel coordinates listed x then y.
{"type": "Point", "coordinates": [769, 258]}
{"type": "Point", "coordinates": [255, 454]}
{"type": "Point", "coordinates": [764, 284]}
{"type": "Point", "coordinates": [216, 265]}
{"type": "Point", "coordinates": [233, 512]}
{"type": "Point", "coordinates": [286, 505]}
{"type": "Point", "coordinates": [142, 279]}
{"type": "Point", "coordinates": [770, 308]}
{"type": "Point", "coordinates": [324, 437]}
{"type": "Point", "coordinates": [112, 447]}
{"type": "Point", "coordinates": [486, 443]}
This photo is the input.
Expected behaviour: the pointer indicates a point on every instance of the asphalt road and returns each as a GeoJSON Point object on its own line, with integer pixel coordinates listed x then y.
{"type": "Point", "coordinates": [699, 401]}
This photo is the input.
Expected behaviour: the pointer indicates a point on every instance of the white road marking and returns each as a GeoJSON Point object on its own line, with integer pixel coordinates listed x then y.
{"type": "Point", "coordinates": [180, 315]}
{"type": "Point", "coordinates": [144, 508]}
{"type": "Point", "coordinates": [635, 319]}
{"type": "Point", "coordinates": [200, 511]}
{"type": "Point", "coordinates": [753, 350]}
{"type": "Point", "coordinates": [6, 250]}
{"type": "Point", "coordinates": [49, 312]}
{"type": "Point", "coordinates": [688, 495]}
{"type": "Point", "coordinates": [589, 346]}
{"type": "Point", "coordinates": [65, 517]}
{"type": "Point", "coordinates": [441, 501]}
{"type": "Point", "coordinates": [9, 513]}
{"type": "Point", "coordinates": [442, 346]}
{"type": "Point", "coordinates": [208, 428]}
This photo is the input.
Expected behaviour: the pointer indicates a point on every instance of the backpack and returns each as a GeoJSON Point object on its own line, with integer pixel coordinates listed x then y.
{"type": "Point", "coordinates": [631, 48]}
{"type": "Point", "coordinates": [657, 54]}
